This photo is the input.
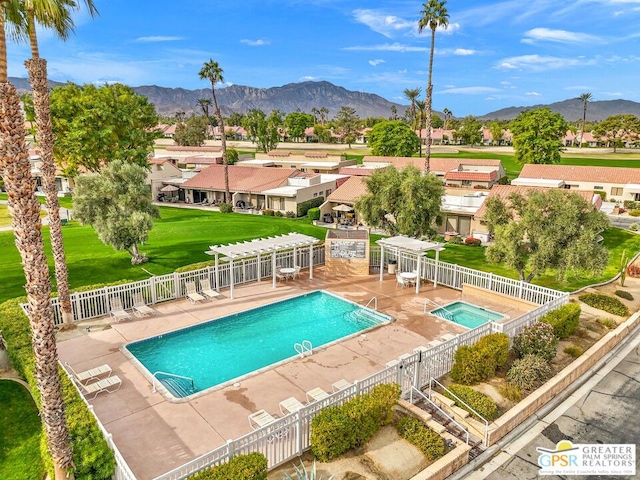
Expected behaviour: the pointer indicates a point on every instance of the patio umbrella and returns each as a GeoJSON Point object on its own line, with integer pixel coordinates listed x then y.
{"type": "Point", "coordinates": [343, 208]}
{"type": "Point", "coordinates": [169, 188]}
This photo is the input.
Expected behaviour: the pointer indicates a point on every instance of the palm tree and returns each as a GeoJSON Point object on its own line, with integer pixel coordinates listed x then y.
{"type": "Point", "coordinates": [25, 213]}
{"type": "Point", "coordinates": [447, 115]}
{"type": "Point", "coordinates": [412, 95]}
{"type": "Point", "coordinates": [421, 106]}
{"type": "Point", "coordinates": [211, 71]}
{"type": "Point", "coordinates": [204, 104]}
{"type": "Point", "coordinates": [586, 98]}
{"type": "Point", "coordinates": [434, 15]}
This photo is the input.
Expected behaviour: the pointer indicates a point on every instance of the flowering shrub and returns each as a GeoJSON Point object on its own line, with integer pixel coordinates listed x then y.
{"type": "Point", "coordinates": [528, 372]}
{"type": "Point", "coordinates": [633, 270]}
{"type": "Point", "coordinates": [538, 339]}
{"type": "Point", "coordinates": [472, 242]}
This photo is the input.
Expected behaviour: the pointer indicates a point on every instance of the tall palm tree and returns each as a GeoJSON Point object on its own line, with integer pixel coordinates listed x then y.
{"type": "Point", "coordinates": [211, 71]}
{"type": "Point", "coordinates": [204, 104]}
{"type": "Point", "coordinates": [586, 98]}
{"type": "Point", "coordinates": [25, 212]}
{"type": "Point", "coordinates": [421, 106]}
{"type": "Point", "coordinates": [447, 115]}
{"type": "Point", "coordinates": [412, 95]}
{"type": "Point", "coordinates": [434, 15]}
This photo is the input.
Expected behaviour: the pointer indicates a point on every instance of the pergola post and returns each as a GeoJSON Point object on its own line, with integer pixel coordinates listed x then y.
{"type": "Point", "coordinates": [273, 268]}
{"type": "Point", "coordinates": [418, 274]}
{"type": "Point", "coordinates": [311, 262]}
{"type": "Point", "coordinates": [217, 273]}
{"type": "Point", "coordinates": [435, 275]}
{"type": "Point", "coordinates": [259, 268]}
{"type": "Point", "coordinates": [231, 279]}
{"type": "Point", "coordinates": [295, 257]}
{"type": "Point", "coordinates": [381, 262]}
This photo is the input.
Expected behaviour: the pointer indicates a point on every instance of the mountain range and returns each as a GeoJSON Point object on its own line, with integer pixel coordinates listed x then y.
{"type": "Point", "coordinates": [305, 96]}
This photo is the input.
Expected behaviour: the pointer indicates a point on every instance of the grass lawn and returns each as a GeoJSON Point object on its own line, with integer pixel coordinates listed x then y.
{"type": "Point", "coordinates": [20, 430]}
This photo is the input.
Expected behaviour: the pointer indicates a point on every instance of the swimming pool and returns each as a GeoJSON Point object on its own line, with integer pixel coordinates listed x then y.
{"type": "Point", "coordinates": [466, 314]}
{"type": "Point", "coordinates": [219, 351]}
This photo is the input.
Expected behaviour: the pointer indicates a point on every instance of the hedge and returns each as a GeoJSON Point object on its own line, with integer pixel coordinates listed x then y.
{"type": "Point", "coordinates": [195, 266]}
{"type": "Point", "coordinates": [252, 466]}
{"type": "Point", "coordinates": [604, 302]}
{"type": "Point", "coordinates": [478, 362]}
{"type": "Point", "coordinates": [425, 439]}
{"type": "Point", "coordinates": [565, 320]}
{"type": "Point", "coordinates": [623, 294]}
{"type": "Point", "coordinates": [303, 207]}
{"type": "Point", "coordinates": [313, 213]}
{"type": "Point", "coordinates": [226, 208]}
{"type": "Point", "coordinates": [92, 456]}
{"type": "Point", "coordinates": [476, 400]}
{"type": "Point", "coordinates": [336, 430]}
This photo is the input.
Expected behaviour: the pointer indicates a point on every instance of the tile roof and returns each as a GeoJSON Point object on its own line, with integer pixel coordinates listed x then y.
{"type": "Point", "coordinates": [618, 175]}
{"type": "Point", "coordinates": [203, 160]}
{"type": "Point", "coordinates": [437, 165]}
{"type": "Point", "coordinates": [241, 179]}
{"type": "Point", "coordinates": [349, 191]}
{"type": "Point", "coordinates": [472, 176]}
{"type": "Point", "coordinates": [178, 148]}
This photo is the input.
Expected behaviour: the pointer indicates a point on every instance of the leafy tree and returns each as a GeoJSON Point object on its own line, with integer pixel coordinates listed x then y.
{"type": "Point", "coordinates": [235, 119]}
{"type": "Point", "coordinates": [347, 122]}
{"type": "Point", "coordinates": [193, 132]}
{"type": "Point", "coordinates": [585, 98]}
{"type": "Point", "coordinates": [393, 139]}
{"type": "Point", "coordinates": [436, 122]}
{"type": "Point", "coordinates": [496, 132]}
{"type": "Point", "coordinates": [232, 156]}
{"type": "Point", "coordinates": [537, 136]}
{"type": "Point", "coordinates": [434, 15]}
{"type": "Point", "coordinates": [546, 229]}
{"type": "Point", "coordinates": [471, 130]}
{"type": "Point", "coordinates": [263, 130]}
{"type": "Point", "coordinates": [323, 133]}
{"type": "Point", "coordinates": [117, 204]}
{"type": "Point", "coordinates": [27, 106]}
{"type": "Point", "coordinates": [617, 129]}
{"type": "Point", "coordinates": [297, 123]}
{"type": "Point", "coordinates": [96, 125]}
{"type": "Point", "coordinates": [402, 201]}
{"type": "Point", "coordinates": [370, 122]}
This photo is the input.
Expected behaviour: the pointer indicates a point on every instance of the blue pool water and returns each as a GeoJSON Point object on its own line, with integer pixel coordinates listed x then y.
{"type": "Point", "coordinates": [224, 349]}
{"type": "Point", "coordinates": [466, 314]}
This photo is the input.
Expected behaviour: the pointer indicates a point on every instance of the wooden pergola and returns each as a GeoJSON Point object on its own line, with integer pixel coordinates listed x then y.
{"type": "Point", "coordinates": [260, 247]}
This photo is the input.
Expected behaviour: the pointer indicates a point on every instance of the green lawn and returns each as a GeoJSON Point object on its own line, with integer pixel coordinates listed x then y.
{"type": "Point", "coordinates": [20, 431]}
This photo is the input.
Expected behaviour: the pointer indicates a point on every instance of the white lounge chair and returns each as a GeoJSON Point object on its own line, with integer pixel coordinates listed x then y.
{"type": "Point", "coordinates": [192, 294]}
{"type": "Point", "coordinates": [261, 418]}
{"type": "Point", "coordinates": [117, 310]}
{"type": "Point", "coordinates": [340, 385]}
{"type": "Point", "coordinates": [316, 394]}
{"type": "Point", "coordinates": [109, 385]}
{"type": "Point", "coordinates": [207, 291]}
{"type": "Point", "coordinates": [86, 376]}
{"type": "Point", "coordinates": [140, 308]}
{"type": "Point", "coordinates": [290, 405]}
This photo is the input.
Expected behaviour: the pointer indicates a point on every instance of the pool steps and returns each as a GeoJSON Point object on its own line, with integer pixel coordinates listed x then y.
{"type": "Point", "coordinates": [304, 348]}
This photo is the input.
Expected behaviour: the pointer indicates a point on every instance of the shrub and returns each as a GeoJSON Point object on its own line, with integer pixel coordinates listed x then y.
{"type": "Point", "coordinates": [528, 372]}
{"type": "Point", "coordinates": [538, 339]}
{"type": "Point", "coordinates": [634, 227]}
{"type": "Point", "coordinates": [252, 466]}
{"type": "Point", "coordinates": [290, 214]}
{"type": "Point", "coordinates": [472, 364]}
{"type": "Point", "coordinates": [565, 320]}
{"type": "Point", "coordinates": [634, 213]}
{"type": "Point", "coordinates": [91, 455]}
{"type": "Point", "coordinates": [425, 439]}
{"type": "Point", "coordinates": [624, 294]}
{"type": "Point", "coordinates": [631, 205]}
{"type": "Point", "coordinates": [225, 208]}
{"type": "Point", "coordinates": [196, 266]}
{"type": "Point", "coordinates": [304, 207]}
{"type": "Point", "coordinates": [278, 213]}
{"type": "Point", "coordinates": [510, 392]}
{"type": "Point", "coordinates": [455, 241]}
{"type": "Point", "coordinates": [602, 194]}
{"type": "Point", "coordinates": [313, 213]}
{"type": "Point", "coordinates": [337, 429]}
{"type": "Point", "coordinates": [607, 323]}
{"type": "Point", "coordinates": [633, 270]}
{"type": "Point", "coordinates": [268, 212]}
{"type": "Point", "coordinates": [606, 303]}
{"type": "Point", "coordinates": [97, 286]}
{"type": "Point", "coordinates": [574, 351]}
{"type": "Point", "coordinates": [472, 242]}
{"type": "Point", "coordinates": [476, 400]}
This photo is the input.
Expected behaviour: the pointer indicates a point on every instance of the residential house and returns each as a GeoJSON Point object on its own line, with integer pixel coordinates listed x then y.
{"type": "Point", "coordinates": [573, 139]}
{"type": "Point", "coordinates": [309, 162]}
{"type": "Point", "coordinates": [347, 193]}
{"type": "Point", "coordinates": [64, 184]}
{"type": "Point", "coordinates": [163, 172]}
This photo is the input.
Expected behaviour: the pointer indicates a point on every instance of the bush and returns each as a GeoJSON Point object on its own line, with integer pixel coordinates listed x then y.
{"type": "Point", "coordinates": [606, 303]}
{"type": "Point", "coordinates": [574, 351]}
{"type": "Point", "coordinates": [510, 392]}
{"type": "Point", "coordinates": [602, 194]}
{"type": "Point", "coordinates": [624, 294]}
{"type": "Point", "coordinates": [472, 242]}
{"type": "Point", "coordinates": [476, 400]}
{"type": "Point", "coordinates": [472, 364]}
{"type": "Point", "coordinates": [268, 213]}
{"type": "Point", "coordinates": [91, 455]}
{"type": "Point", "coordinates": [455, 241]}
{"type": "Point", "coordinates": [634, 213]}
{"type": "Point", "coordinates": [337, 429]}
{"type": "Point", "coordinates": [252, 466]}
{"type": "Point", "coordinates": [634, 227]}
{"type": "Point", "coordinates": [631, 205]}
{"type": "Point", "coordinates": [607, 322]}
{"type": "Point", "coordinates": [565, 320]}
{"type": "Point", "coordinates": [196, 266]}
{"type": "Point", "coordinates": [304, 207]}
{"type": "Point", "coordinates": [539, 340]}
{"type": "Point", "coordinates": [528, 372]}
{"type": "Point", "coordinates": [278, 213]}
{"type": "Point", "coordinates": [225, 208]}
{"type": "Point", "coordinates": [425, 439]}
{"type": "Point", "coordinates": [313, 213]}
{"type": "Point", "coordinates": [290, 214]}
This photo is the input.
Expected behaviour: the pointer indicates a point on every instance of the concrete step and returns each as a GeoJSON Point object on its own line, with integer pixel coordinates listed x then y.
{"type": "Point", "coordinates": [441, 399]}
{"type": "Point", "coordinates": [436, 427]}
{"type": "Point", "coordinates": [460, 412]}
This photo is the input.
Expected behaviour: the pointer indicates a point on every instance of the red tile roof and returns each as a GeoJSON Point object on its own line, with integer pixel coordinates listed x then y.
{"type": "Point", "coordinates": [178, 148]}
{"type": "Point", "coordinates": [241, 179]}
{"type": "Point", "coordinates": [618, 175]}
{"type": "Point", "coordinates": [437, 165]}
{"type": "Point", "coordinates": [471, 176]}
{"type": "Point", "coordinates": [203, 160]}
{"type": "Point", "coordinates": [352, 189]}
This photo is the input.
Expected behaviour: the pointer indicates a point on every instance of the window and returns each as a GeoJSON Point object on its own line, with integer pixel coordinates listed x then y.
{"type": "Point", "coordinates": [466, 183]}
{"type": "Point", "coordinates": [315, 194]}
{"type": "Point", "coordinates": [597, 187]}
{"type": "Point", "coordinates": [327, 192]}
{"type": "Point", "coordinates": [616, 190]}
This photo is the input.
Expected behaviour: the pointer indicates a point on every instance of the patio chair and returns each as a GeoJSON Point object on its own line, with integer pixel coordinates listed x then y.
{"type": "Point", "coordinates": [400, 281]}
{"type": "Point", "coordinates": [260, 419]}
{"type": "Point", "coordinates": [109, 385]}
{"type": "Point", "coordinates": [296, 274]}
{"type": "Point", "coordinates": [207, 291]}
{"type": "Point", "coordinates": [140, 308]}
{"type": "Point", "coordinates": [290, 405]}
{"type": "Point", "coordinates": [86, 376]}
{"type": "Point", "coordinates": [117, 310]}
{"type": "Point", "coordinates": [280, 275]}
{"type": "Point", "coordinates": [192, 294]}
{"type": "Point", "coordinates": [316, 394]}
{"type": "Point", "coordinates": [340, 385]}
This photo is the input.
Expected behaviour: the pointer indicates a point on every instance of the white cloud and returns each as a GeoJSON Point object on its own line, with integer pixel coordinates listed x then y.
{"type": "Point", "coordinates": [539, 63]}
{"type": "Point", "coordinates": [470, 90]}
{"type": "Point", "coordinates": [387, 25]}
{"type": "Point", "coordinates": [533, 94]}
{"type": "Point", "coordinates": [561, 36]}
{"type": "Point", "coordinates": [158, 38]}
{"type": "Point", "coordinates": [309, 78]}
{"type": "Point", "coordinates": [376, 62]}
{"type": "Point", "coordinates": [464, 52]}
{"type": "Point", "coordinates": [403, 71]}
{"type": "Point", "coordinates": [387, 47]}
{"type": "Point", "coordinates": [255, 43]}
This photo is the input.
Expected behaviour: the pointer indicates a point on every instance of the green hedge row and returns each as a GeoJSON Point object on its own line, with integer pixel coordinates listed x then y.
{"type": "Point", "coordinates": [425, 439]}
{"type": "Point", "coordinates": [478, 362]}
{"type": "Point", "coordinates": [92, 456]}
{"type": "Point", "coordinates": [252, 466]}
{"type": "Point", "coordinates": [476, 400]}
{"type": "Point", "coordinates": [196, 266]}
{"type": "Point", "coordinates": [336, 430]}
{"type": "Point", "coordinates": [303, 207]}
{"type": "Point", "coordinates": [565, 320]}
{"type": "Point", "coordinates": [314, 213]}
{"type": "Point", "coordinates": [604, 302]}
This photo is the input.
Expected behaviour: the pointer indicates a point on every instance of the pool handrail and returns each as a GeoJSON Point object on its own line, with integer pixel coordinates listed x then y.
{"type": "Point", "coordinates": [193, 384]}
{"type": "Point", "coordinates": [304, 348]}
{"type": "Point", "coordinates": [375, 303]}
{"type": "Point", "coordinates": [438, 306]}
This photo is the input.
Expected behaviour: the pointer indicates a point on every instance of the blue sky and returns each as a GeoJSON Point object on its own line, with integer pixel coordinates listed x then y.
{"type": "Point", "coordinates": [494, 54]}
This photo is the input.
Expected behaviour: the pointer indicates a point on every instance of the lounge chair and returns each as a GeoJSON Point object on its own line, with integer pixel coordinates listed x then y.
{"type": "Point", "coordinates": [340, 385]}
{"type": "Point", "coordinates": [260, 419]}
{"type": "Point", "coordinates": [140, 308]}
{"type": "Point", "coordinates": [316, 394]}
{"type": "Point", "coordinates": [207, 291]}
{"type": "Point", "coordinates": [290, 405]}
{"type": "Point", "coordinates": [109, 385]}
{"type": "Point", "coordinates": [192, 294]}
{"type": "Point", "coordinates": [86, 376]}
{"type": "Point", "coordinates": [117, 310]}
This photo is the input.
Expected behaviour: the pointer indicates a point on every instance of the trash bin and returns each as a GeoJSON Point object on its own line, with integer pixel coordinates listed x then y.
{"type": "Point", "coordinates": [391, 267]}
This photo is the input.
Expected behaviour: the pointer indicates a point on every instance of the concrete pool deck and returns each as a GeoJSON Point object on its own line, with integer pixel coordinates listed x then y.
{"type": "Point", "coordinates": [155, 435]}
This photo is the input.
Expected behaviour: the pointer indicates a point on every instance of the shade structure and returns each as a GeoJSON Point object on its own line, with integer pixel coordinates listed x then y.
{"type": "Point", "coordinates": [342, 208]}
{"type": "Point", "coordinates": [169, 188]}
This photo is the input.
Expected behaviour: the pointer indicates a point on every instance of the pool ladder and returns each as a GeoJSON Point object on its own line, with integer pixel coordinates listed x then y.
{"type": "Point", "coordinates": [304, 348]}
{"type": "Point", "coordinates": [446, 313]}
